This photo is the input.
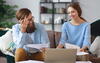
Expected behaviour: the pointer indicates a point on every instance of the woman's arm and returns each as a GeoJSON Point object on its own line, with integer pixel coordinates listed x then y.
{"type": "Point", "coordinates": [63, 38]}
{"type": "Point", "coordinates": [87, 36]}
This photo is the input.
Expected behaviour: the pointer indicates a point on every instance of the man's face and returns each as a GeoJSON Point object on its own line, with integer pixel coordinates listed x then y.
{"type": "Point", "coordinates": [30, 18]}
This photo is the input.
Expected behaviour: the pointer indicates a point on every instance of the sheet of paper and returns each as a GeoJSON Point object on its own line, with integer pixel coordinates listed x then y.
{"type": "Point", "coordinates": [30, 61]}
{"type": "Point", "coordinates": [83, 62]}
{"type": "Point", "coordinates": [82, 53]}
{"type": "Point", "coordinates": [33, 61]}
{"type": "Point", "coordinates": [71, 46]}
{"type": "Point", "coordinates": [38, 46]}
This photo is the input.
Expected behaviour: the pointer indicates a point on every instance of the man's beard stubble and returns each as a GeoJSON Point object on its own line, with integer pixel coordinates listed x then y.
{"type": "Point", "coordinates": [31, 29]}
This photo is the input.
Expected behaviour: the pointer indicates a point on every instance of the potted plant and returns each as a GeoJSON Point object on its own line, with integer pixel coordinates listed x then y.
{"type": "Point", "coordinates": [7, 12]}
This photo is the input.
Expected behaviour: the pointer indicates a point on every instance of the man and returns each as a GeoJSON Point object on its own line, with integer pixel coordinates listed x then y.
{"type": "Point", "coordinates": [27, 32]}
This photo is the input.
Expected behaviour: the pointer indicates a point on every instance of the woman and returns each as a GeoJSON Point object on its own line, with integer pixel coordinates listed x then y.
{"type": "Point", "coordinates": [77, 30]}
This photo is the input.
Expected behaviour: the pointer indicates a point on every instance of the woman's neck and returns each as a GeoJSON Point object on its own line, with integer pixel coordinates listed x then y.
{"type": "Point", "coordinates": [77, 21]}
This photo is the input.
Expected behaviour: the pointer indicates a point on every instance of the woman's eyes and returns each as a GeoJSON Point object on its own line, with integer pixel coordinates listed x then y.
{"type": "Point", "coordinates": [71, 12]}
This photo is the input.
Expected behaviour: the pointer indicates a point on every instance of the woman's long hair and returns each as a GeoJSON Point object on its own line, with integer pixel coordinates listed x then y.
{"type": "Point", "coordinates": [77, 7]}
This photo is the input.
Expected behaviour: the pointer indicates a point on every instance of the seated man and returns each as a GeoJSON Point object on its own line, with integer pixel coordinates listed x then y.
{"type": "Point", "coordinates": [27, 32]}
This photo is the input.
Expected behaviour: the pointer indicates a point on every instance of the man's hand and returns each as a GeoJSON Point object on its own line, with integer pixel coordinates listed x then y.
{"type": "Point", "coordinates": [24, 24]}
{"type": "Point", "coordinates": [43, 49]}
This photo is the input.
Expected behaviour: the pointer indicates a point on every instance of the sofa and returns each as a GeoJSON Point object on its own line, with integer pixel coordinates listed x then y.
{"type": "Point", "coordinates": [54, 38]}
{"type": "Point", "coordinates": [5, 54]}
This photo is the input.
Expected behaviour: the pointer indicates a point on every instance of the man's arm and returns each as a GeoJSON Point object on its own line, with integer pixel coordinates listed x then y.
{"type": "Point", "coordinates": [18, 36]}
{"type": "Point", "coordinates": [44, 35]}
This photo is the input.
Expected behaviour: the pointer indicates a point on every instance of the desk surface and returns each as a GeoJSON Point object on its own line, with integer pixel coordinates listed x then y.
{"type": "Point", "coordinates": [33, 61]}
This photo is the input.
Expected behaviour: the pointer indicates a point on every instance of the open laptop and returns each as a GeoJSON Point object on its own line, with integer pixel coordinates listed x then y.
{"type": "Point", "coordinates": [60, 55]}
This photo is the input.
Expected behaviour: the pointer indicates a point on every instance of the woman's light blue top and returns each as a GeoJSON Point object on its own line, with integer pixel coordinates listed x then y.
{"type": "Point", "coordinates": [76, 34]}
{"type": "Point", "coordinates": [38, 37]}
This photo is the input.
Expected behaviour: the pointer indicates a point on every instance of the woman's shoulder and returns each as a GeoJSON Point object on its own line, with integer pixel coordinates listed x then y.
{"type": "Point", "coordinates": [66, 23]}
{"type": "Point", "coordinates": [86, 24]}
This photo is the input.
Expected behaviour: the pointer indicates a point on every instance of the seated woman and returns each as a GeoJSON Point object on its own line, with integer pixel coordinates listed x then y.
{"type": "Point", "coordinates": [27, 32]}
{"type": "Point", "coordinates": [77, 30]}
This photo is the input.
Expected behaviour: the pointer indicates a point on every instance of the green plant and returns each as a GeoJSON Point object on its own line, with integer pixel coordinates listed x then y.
{"type": "Point", "coordinates": [6, 24]}
{"type": "Point", "coordinates": [6, 12]}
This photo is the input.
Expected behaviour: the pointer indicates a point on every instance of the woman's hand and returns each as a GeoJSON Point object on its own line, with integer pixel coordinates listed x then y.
{"type": "Point", "coordinates": [84, 49]}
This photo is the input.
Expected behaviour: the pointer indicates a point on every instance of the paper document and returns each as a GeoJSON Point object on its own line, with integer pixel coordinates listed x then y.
{"type": "Point", "coordinates": [82, 53]}
{"type": "Point", "coordinates": [30, 61]}
{"type": "Point", "coordinates": [71, 46]}
{"type": "Point", "coordinates": [38, 46]}
{"type": "Point", "coordinates": [33, 61]}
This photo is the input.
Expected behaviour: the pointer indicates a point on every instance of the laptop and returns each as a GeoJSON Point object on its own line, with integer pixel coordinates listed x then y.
{"type": "Point", "coordinates": [60, 55]}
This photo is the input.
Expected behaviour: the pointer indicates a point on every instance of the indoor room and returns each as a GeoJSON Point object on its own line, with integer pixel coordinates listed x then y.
{"type": "Point", "coordinates": [49, 31]}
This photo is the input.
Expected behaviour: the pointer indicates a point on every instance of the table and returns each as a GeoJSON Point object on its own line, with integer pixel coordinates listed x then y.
{"type": "Point", "coordinates": [34, 61]}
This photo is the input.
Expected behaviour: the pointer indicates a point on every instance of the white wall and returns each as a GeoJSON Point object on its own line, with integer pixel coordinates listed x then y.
{"type": "Point", "coordinates": [91, 9]}
{"type": "Point", "coordinates": [33, 5]}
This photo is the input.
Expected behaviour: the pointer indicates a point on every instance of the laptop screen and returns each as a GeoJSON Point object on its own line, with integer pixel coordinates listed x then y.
{"type": "Point", "coordinates": [60, 55]}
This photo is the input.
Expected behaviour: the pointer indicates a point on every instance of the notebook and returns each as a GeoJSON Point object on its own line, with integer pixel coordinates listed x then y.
{"type": "Point", "coordinates": [60, 55]}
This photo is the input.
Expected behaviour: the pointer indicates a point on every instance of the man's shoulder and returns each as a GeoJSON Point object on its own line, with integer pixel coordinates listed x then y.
{"type": "Point", "coordinates": [16, 25]}
{"type": "Point", "coordinates": [38, 25]}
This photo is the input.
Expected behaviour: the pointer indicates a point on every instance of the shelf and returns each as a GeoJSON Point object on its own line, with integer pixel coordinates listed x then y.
{"type": "Point", "coordinates": [46, 2]}
{"type": "Point", "coordinates": [53, 12]}
{"type": "Point", "coordinates": [61, 2]}
{"type": "Point", "coordinates": [55, 2]}
{"type": "Point", "coordinates": [46, 13]}
{"type": "Point", "coordinates": [60, 13]}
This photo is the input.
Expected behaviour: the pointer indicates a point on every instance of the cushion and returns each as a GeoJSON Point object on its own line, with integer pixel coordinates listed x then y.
{"type": "Point", "coordinates": [5, 40]}
{"type": "Point", "coordinates": [2, 32]}
{"type": "Point", "coordinates": [95, 46]}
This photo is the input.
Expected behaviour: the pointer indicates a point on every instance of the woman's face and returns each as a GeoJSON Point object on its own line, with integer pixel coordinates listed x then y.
{"type": "Point", "coordinates": [72, 13]}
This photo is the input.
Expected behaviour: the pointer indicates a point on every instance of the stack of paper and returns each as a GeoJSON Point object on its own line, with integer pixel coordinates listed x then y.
{"type": "Point", "coordinates": [30, 61]}
{"type": "Point", "coordinates": [38, 46]}
{"type": "Point", "coordinates": [71, 46]}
